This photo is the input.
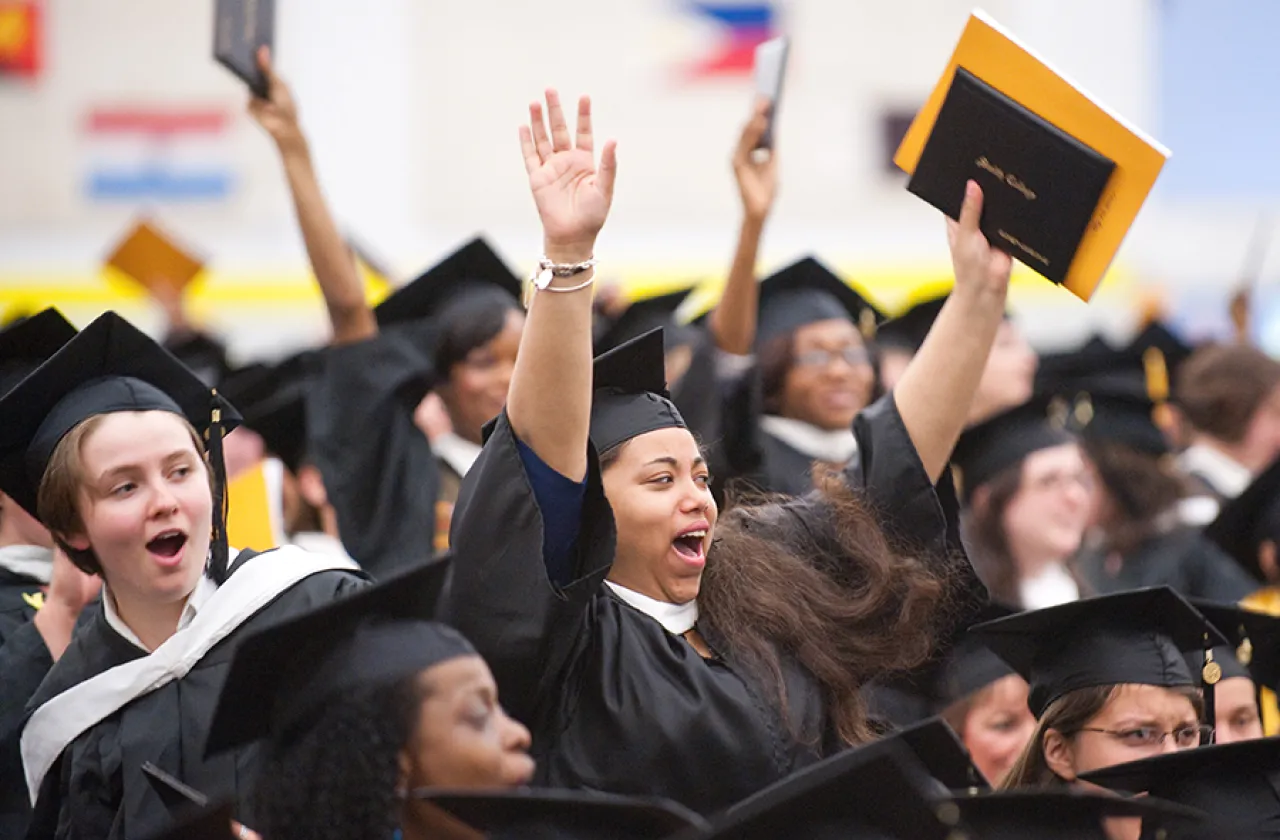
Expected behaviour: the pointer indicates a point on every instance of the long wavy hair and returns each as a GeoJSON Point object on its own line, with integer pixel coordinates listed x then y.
{"type": "Point", "coordinates": [817, 580]}
{"type": "Point", "coordinates": [337, 779]}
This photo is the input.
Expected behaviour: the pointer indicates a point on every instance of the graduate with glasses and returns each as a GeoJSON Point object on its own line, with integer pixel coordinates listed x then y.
{"type": "Point", "coordinates": [1112, 679]}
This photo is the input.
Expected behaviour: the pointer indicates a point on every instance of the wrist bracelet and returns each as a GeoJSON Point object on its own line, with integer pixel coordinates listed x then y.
{"type": "Point", "coordinates": [548, 270]}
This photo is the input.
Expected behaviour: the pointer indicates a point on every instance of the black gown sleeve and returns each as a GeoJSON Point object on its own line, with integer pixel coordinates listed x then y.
{"type": "Point", "coordinates": [24, 662]}
{"type": "Point", "coordinates": [916, 514]}
{"type": "Point", "coordinates": [379, 471]}
{"type": "Point", "coordinates": [501, 597]}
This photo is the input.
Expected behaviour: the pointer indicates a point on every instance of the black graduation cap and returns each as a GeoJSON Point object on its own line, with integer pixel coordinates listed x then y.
{"type": "Point", "coordinates": [1158, 336]}
{"type": "Point", "coordinates": [648, 314]}
{"type": "Point", "coordinates": [805, 292]}
{"type": "Point", "coordinates": [877, 791]}
{"type": "Point", "coordinates": [1236, 785]}
{"type": "Point", "coordinates": [282, 675]}
{"type": "Point", "coordinates": [1069, 814]}
{"type": "Point", "coordinates": [203, 354]}
{"type": "Point", "coordinates": [535, 813]}
{"type": "Point", "coordinates": [630, 393]}
{"type": "Point", "coordinates": [209, 823]}
{"type": "Point", "coordinates": [28, 342]}
{"type": "Point", "coordinates": [473, 269]}
{"type": "Point", "coordinates": [1117, 412]}
{"type": "Point", "coordinates": [941, 753]}
{"type": "Point", "coordinates": [1250, 519]}
{"type": "Point", "coordinates": [1139, 636]}
{"type": "Point", "coordinates": [967, 665]}
{"type": "Point", "coordinates": [988, 449]}
{"type": "Point", "coordinates": [272, 400]}
{"type": "Point", "coordinates": [109, 366]}
{"type": "Point", "coordinates": [908, 330]}
{"type": "Point", "coordinates": [1062, 372]}
{"type": "Point", "coordinates": [1253, 638]}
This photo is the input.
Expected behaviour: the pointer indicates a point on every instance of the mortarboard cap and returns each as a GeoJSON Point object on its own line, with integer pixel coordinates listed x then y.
{"type": "Point", "coordinates": [966, 664]}
{"type": "Point", "coordinates": [1063, 373]}
{"type": "Point", "coordinates": [876, 791]}
{"type": "Point", "coordinates": [908, 330]}
{"type": "Point", "coordinates": [534, 813]}
{"type": "Point", "coordinates": [630, 393]}
{"type": "Point", "coordinates": [473, 269]}
{"type": "Point", "coordinates": [1140, 637]}
{"type": "Point", "coordinates": [282, 675]}
{"type": "Point", "coordinates": [1253, 642]}
{"type": "Point", "coordinates": [1062, 814]}
{"type": "Point", "coordinates": [28, 342]}
{"type": "Point", "coordinates": [209, 823]}
{"type": "Point", "coordinates": [1114, 411]}
{"type": "Point", "coordinates": [806, 292]}
{"type": "Point", "coordinates": [941, 753]}
{"type": "Point", "coordinates": [151, 257]}
{"type": "Point", "coordinates": [644, 315]}
{"type": "Point", "coordinates": [1236, 785]}
{"type": "Point", "coordinates": [203, 354]}
{"type": "Point", "coordinates": [1158, 336]}
{"type": "Point", "coordinates": [1250, 519]}
{"type": "Point", "coordinates": [109, 366]}
{"type": "Point", "coordinates": [272, 400]}
{"type": "Point", "coordinates": [988, 449]}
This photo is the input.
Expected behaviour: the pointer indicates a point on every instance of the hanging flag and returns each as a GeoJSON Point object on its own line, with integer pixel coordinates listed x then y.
{"type": "Point", "coordinates": [741, 28]}
{"type": "Point", "coordinates": [176, 153]}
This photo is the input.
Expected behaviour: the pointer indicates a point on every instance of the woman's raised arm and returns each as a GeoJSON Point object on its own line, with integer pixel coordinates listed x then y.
{"type": "Point", "coordinates": [549, 402]}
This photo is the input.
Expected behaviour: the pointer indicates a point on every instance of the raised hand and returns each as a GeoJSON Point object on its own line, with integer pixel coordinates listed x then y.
{"type": "Point", "coordinates": [277, 114]}
{"type": "Point", "coordinates": [572, 195]}
{"type": "Point", "coordinates": [756, 170]}
{"type": "Point", "coordinates": [70, 590]}
{"type": "Point", "coordinates": [978, 267]}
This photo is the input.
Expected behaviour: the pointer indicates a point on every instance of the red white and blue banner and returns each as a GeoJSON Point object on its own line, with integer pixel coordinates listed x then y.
{"type": "Point", "coordinates": [164, 153]}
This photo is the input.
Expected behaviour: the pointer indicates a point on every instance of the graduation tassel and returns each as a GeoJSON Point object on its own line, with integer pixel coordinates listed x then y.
{"type": "Point", "coordinates": [1210, 674]}
{"type": "Point", "coordinates": [1156, 371]}
{"type": "Point", "coordinates": [218, 549]}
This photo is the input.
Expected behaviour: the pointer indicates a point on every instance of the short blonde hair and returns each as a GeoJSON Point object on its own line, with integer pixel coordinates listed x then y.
{"type": "Point", "coordinates": [58, 498]}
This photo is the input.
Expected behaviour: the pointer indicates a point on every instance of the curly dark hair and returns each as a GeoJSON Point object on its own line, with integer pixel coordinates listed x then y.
{"type": "Point", "coordinates": [817, 579]}
{"type": "Point", "coordinates": [337, 779]}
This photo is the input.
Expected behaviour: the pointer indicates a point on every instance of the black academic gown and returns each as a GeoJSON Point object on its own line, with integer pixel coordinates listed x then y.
{"type": "Point", "coordinates": [24, 662]}
{"type": "Point", "coordinates": [20, 645]}
{"type": "Point", "coordinates": [1182, 559]}
{"type": "Point", "coordinates": [749, 459]}
{"type": "Point", "coordinates": [96, 789]}
{"type": "Point", "coordinates": [615, 703]}
{"type": "Point", "coordinates": [20, 595]}
{"type": "Point", "coordinates": [380, 474]}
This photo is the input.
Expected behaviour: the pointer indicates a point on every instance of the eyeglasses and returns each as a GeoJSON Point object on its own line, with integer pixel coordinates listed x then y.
{"type": "Point", "coordinates": [1148, 737]}
{"type": "Point", "coordinates": [852, 356]}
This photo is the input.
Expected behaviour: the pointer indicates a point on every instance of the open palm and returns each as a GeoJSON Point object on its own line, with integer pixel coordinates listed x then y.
{"type": "Point", "coordinates": [571, 194]}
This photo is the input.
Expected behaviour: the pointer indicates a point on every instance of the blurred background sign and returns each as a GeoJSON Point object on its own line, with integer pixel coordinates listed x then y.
{"type": "Point", "coordinates": [20, 39]}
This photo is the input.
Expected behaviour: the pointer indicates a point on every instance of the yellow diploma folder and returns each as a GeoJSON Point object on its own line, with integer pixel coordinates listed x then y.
{"type": "Point", "coordinates": [996, 57]}
{"type": "Point", "coordinates": [253, 507]}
